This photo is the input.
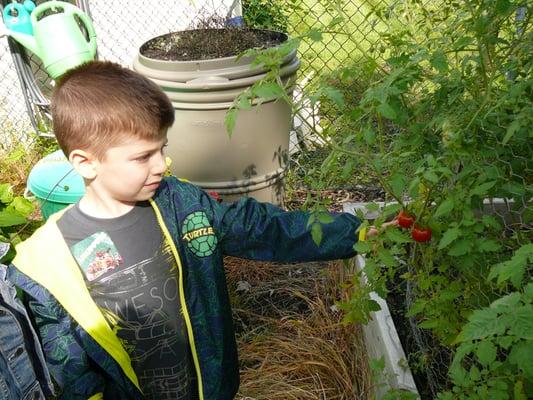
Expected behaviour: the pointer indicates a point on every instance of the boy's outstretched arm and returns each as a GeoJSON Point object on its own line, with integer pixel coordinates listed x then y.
{"type": "Point", "coordinates": [262, 231]}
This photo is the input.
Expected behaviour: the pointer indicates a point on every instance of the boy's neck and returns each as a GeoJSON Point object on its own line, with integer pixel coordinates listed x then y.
{"type": "Point", "coordinates": [98, 207]}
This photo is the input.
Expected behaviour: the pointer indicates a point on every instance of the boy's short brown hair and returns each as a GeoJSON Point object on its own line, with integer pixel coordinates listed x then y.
{"type": "Point", "coordinates": [100, 103]}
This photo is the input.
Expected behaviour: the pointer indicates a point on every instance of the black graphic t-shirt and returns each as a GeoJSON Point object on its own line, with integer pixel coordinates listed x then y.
{"type": "Point", "coordinates": [132, 276]}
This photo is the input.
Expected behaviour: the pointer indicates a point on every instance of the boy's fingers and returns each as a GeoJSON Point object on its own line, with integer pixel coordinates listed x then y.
{"type": "Point", "coordinates": [373, 231]}
{"type": "Point", "coordinates": [394, 222]}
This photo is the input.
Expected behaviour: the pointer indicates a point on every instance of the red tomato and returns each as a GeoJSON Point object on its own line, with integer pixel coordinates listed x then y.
{"type": "Point", "coordinates": [421, 234]}
{"type": "Point", "coordinates": [215, 196]}
{"type": "Point", "coordinates": [405, 220]}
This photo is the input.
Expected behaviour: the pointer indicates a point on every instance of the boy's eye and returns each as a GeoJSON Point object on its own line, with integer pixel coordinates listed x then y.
{"type": "Point", "coordinates": [143, 157]}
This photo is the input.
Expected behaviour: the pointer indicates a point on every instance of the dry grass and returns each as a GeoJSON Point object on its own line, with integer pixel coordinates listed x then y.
{"type": "Point", "coordinates": [292, 343]}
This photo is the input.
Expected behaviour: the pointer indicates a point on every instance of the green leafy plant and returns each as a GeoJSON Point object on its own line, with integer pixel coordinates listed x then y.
{"type": "Point", "coordinates": [377, 367]}
{"type": "Point", "coordinates": [442, 122]}
{"type": "Point", "coordinates": [266, 14]}
{"type": "Point", "coordinates": [14, 211]}
{"type": "Point", "coordinates": [495, 355]}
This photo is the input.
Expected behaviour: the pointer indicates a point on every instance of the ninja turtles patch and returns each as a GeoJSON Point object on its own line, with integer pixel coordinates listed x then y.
{"type": "Point", "coordinates": [199, 234]}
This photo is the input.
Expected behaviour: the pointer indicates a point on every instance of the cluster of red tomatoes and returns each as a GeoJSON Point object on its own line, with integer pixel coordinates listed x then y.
{"type": "Point", "coordinates": [418, 233]}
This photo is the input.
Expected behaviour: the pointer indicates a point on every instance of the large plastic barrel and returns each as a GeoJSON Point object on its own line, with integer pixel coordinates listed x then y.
{"type": "Point", "coordinates": [253, 161]}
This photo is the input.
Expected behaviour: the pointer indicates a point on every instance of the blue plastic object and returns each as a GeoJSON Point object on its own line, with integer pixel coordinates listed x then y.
{"type": "Point", "coordinates": [235, 21]}
{"type": "Point", "coordinates": [55, 183]}
{"type": "Point", "coordinates": [17, 17]}
{"type": "Point", "coordinates": [29, 5]}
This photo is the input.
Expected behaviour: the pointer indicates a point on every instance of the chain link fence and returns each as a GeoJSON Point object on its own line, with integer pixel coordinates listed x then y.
{"type": "Point", "coordinates": [121, 27]}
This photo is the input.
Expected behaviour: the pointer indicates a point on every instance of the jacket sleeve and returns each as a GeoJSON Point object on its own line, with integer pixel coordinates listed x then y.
{"type": "Point", "coordinates": [67, 361]}
{"type": "Point", "coordinates": [262, 231]}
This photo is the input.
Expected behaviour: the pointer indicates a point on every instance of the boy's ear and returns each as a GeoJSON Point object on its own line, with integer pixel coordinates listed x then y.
{"type": "Point", "coordinates": [84, 163]}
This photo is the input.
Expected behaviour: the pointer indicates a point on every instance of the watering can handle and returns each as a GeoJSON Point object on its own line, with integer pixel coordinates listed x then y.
{"type": "Point", "coordinates": [47, 6]}
{"type": "Point", "coordinates": [68, 9]}
{"type": "Point", "coordinates": [90, 28]}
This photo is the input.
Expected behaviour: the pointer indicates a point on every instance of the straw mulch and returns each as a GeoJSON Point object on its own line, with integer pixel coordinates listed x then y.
{"type": "Point", "coordinates": [292, 344]}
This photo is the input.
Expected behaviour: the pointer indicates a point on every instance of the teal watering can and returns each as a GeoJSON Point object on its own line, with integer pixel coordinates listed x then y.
{"type": "Point", "coordinates": [57, 38]}
{"type": "Point", "coordinates": [17, 17]}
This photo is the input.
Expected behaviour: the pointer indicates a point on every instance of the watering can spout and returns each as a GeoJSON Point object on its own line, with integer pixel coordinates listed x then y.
{"type": "Point", "coordinates": [28, 41]}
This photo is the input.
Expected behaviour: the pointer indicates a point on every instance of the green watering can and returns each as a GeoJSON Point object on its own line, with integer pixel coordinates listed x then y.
{"type": "Point", "coordinates": [57, 38]}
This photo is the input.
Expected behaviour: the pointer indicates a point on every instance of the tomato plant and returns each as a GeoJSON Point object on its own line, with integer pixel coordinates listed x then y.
{"type": "Point", "coordinates": [442, 119]}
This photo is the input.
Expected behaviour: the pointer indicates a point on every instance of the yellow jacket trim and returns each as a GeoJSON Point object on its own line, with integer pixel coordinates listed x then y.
{"type": "Point", "coordinates": [97, 396]}
{"type": "Point", "coordinates": [362, 234]}
{"type": "Point", "coordinates": [182, 297]}
{"type": "Point", "coordinates": [64, 280]}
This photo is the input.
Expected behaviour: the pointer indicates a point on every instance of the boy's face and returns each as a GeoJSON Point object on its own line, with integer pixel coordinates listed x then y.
{"type": "Point", "coordinates": [130, 172]}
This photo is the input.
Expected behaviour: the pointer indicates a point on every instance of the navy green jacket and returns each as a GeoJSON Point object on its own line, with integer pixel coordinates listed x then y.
{"type": "Point", "coordinates": [84, 355]}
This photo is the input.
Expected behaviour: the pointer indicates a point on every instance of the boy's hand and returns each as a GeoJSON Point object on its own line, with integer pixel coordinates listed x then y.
{"type": "Point", "coordinates": [373, 231]}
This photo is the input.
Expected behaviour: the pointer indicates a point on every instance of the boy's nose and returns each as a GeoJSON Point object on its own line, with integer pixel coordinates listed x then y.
{"type": "Point", "coordinates": [160, 165]}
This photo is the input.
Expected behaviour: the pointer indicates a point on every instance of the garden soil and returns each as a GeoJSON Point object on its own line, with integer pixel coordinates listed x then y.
{"type": "Point", "coordinates": [205, 44]}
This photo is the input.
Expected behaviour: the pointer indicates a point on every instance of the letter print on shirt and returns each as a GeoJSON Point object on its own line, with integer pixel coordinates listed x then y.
{"type": "Point", "coordinates": [141, 304]}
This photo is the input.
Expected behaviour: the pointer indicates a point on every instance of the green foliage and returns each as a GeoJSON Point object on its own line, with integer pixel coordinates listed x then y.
{"type": "Point", "coordinates": [14, 211]}
{"type": "Point", "coordinates": [267, 14]}
{"type": "Point", "coordinates": [377, 367]}
{"type": "Point", "coordinates": [270, 88]}
{"type": "Point", "coordinates": [495, 356]}
{"type": "Point", "coordinates": [439, 112]}
{"type": "Point", "coordinates": [443, 125]}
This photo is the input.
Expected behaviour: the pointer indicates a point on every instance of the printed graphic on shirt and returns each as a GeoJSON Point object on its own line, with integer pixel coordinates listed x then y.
{"type": "Point", "coordinates": [96, 255]}
{"type": "Point", "coordinates": [199, 234]}
{"type": "Point", "coordinates": [141, 303]}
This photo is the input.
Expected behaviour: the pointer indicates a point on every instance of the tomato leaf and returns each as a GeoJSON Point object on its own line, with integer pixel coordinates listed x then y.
{"type": "Point", "coordinates": [10, 217]}
{"type": "Point", "coordinates": [316, 233]}
{"type": "Point", "coordinates": [439, 61]}
{"type": "Point", "coordinates": [444, 208]}
{"type": "Point", "coordinates": [485, 352]}
{"type": "Point", "coordinates": [269, 90]}
{"type": "Point", "coordinates": [230, 120]}
{"type": "Point", "coordinates": [386, 110]}
{"type": "Point", "coordinates": [449, 236]}
{"type": "Point", "coordinates": [397, 236]}
{"type": "Point", "coordinates": [362, 247]}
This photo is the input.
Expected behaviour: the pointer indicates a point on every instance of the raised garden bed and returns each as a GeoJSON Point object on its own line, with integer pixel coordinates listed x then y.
{"type": "Point", "coordinates": [395, 336]}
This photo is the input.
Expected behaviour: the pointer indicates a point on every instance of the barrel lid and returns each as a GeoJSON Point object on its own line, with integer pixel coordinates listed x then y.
{"type": "Point", "coordinates": [54, 178]}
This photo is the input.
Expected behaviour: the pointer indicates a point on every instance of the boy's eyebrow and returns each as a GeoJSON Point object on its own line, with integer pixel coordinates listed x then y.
{"type": "Point", "coordinates": [140, 153]}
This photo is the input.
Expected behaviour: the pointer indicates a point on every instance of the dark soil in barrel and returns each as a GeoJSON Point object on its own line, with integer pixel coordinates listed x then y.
{"type": "Point", "coordinates": [205, 44]}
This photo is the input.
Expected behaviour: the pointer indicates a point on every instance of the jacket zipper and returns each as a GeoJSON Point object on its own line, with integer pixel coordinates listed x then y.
{"type": "Point", "coordinates": [182, 297]}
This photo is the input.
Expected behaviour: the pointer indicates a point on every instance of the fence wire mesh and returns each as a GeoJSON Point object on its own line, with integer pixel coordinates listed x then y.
{"type": "Point", "coordinates": [121, 27]}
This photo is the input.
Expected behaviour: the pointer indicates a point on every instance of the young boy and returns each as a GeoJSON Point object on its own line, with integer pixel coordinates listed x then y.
{"type": "Point", "coordinates": [127, 287]}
